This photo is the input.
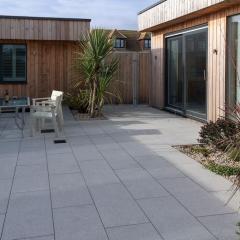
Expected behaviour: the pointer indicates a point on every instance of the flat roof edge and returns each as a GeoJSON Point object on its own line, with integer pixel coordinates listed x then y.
{"type": "Point", "coordinates": [46, 18]}
{"type": "Point", "coordinates": [152, 6]}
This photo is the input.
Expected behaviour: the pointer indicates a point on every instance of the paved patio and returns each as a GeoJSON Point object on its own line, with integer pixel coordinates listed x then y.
{"type": "Point", "coordinates": [116, 179]}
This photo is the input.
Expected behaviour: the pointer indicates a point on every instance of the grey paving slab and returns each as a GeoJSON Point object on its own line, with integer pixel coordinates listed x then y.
{"type": "Point", "coordinates": [69, 190]}
{"type": "Point", "coordinates": [29, 143]}
{"type": "Point", "coordinates": [62, 163]}
{"type": "Point", "coordinates": [98, 173]}
{"type": "Point", "coordinates": [207, 179]}
{"type": "Point", "coordinates": [5, 187]}
{"type": "Point", "coordinates": [228, 198]}
{"type": "Point", "coordinates": [222, 226]}
{"type": "Point", "coordinates": [85, 153]}
{"type": "Point", "coordinates": [101, 139]}
{"type": "Point", "coordinates": [31, 152]}
{"type": "Point", "coordinates": [29, 215]}
{"type": "Point", "coordinates": [152, 161]}
{"type": "Point", "coordinates": [166, 172]}
{"type": "Point", "coordinates": [136, 149]}
{"type": "Point", "coordinates": [41, 238]}
{"type": "Point", "coordinates": [173, 221]}
{"type": "Point", "coordinates": [31, 183]}
{"type": "Point", "coordinates": [79, 141]}
{"type": "Point", "coordinates": [31, 171]}
{"type": "Point", "coordinates": [115, 205]}
{"type": "Point", "coordinates": [135, 232]}
{"type": "Point", "coordinates": [32, 160]}
{"type": "Point", "coordinates": [113, 146]}
{"type": "Point", "coordinates": [7, 167]}
{"type": "Point", "coordinates": [78, 223]}
{"type": "Point", "coordinates": [119, 159]}
{"type": "Point", "coordinates": [1, 221]}
{"type": "Point", "coordinates": [140, 183]}
{"type": "Point", "coordinates": [198, 201]}
{"type": "Point", "coordinates": [52, 148]}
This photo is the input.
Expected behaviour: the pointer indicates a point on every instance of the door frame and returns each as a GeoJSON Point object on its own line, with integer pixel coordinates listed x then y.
{"type": "Point", "coordinates": [184, 111]}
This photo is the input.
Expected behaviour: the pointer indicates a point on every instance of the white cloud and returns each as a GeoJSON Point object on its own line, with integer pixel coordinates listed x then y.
{"type": "Point", "coordinates": [121, 14]}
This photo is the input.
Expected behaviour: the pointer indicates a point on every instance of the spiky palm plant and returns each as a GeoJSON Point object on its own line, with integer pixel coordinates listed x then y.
{"type": "Point", "coordinates": [96, 68]}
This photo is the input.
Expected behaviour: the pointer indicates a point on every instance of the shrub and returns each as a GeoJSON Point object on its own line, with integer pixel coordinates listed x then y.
{"type": "Point", "coordinates": [215, 133]}
{"type": "Point", "coordinates": [233, 142]}
{"type": "Point", "coordinates": [77, 100]}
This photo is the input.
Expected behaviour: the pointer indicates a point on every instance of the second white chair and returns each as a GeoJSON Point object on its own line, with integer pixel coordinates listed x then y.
{"type": "Point", "coordinates": [53, 112]}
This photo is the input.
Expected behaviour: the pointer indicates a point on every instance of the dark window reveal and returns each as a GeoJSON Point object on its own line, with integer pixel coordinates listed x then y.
{"type": "Point", "coordinates": [119, 43]}
{"type": "Point", "coordinates": [13, 63]}
{"type": "Point", "coordinates": [147, 43]}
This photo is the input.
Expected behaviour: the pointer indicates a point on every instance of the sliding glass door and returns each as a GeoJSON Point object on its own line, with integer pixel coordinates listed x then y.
{"type": "Point", "coordinates": [186, 72]}
{"type": "Point", "coordinates": [233, 84]}
{"type": "Point", "coordinates": [175, 73]}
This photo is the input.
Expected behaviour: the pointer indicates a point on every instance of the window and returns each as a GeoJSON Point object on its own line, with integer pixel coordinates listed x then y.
{"type": "Point", "coordinates": [147, 43]}
{"type": "Point", "coordinates": [233, 84]}
{"type": "Point", "coordinates": [119, 43]}
{"type": "Point", "coordinates": [12, 63]}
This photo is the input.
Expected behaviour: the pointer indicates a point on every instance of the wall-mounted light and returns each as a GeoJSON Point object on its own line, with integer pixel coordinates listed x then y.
{"type": "Point", "coordinates": [215, 51]}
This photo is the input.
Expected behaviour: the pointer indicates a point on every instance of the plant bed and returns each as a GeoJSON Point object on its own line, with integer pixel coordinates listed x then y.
{"type": "Point", "coordinates": [78, 116]}
{"type": "Point", "coordinates": [213, 159]}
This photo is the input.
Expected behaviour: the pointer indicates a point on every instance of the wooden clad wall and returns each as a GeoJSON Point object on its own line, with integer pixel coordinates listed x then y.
{"type": "Point", "coordinates": [42, 29]}
{"type": "Point", "coordinates": [133, 77]}
{"type": "Point", "coordinates": [217, 34]}
{"type": "Point", "coordinates": [168, 12]}
{"type": "Point", "coordinates": [49, 66]}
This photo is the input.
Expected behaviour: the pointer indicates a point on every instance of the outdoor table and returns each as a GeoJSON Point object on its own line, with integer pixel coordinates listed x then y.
{"type": "Point", "coordinates": [16, 104]}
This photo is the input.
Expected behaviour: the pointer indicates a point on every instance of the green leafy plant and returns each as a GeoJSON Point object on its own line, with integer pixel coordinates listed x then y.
{"type": "Point", "coordinates": [222, 170]}
{"type": "Point", "coordinates": [97, 67]}
{"type": "Point", "coordinates": [77, 100]}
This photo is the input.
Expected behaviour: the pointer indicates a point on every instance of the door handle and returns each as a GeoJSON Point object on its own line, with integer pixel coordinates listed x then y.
{"type": "Point", "coordinates": [204, 75]}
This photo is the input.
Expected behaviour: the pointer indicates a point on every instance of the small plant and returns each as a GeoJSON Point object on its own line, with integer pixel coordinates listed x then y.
{"type": "Point", "coordinates": [77, 100]}
{"type": "Point", "coordinates": [202, 150]}
{"type": "Point", "coordinates": [222, 170]}
{"type": "Point", "coordinates": [216, 133]}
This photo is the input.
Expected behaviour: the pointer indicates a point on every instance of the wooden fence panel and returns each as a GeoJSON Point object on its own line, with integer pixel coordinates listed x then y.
{"type": "Point", "coordinates": [133, 76]}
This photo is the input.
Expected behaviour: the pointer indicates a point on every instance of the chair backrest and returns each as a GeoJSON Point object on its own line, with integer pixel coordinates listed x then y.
{"type": "Point", "coordinates": [55, 94]}
{"type": "Point", "coordinates": [58, 102]}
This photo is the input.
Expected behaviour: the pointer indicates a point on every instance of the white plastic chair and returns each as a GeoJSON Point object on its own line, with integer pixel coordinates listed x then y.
{"type": "Point", "coordinates": [47, 101]}
{"type": "Point", "coordinates": [41, 113]}
{"type": "Point", "coordinates": [39, 101]}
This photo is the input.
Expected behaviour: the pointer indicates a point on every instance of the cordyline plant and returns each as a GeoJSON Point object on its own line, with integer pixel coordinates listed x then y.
{"type": "Point", "coordinates": [97, 67]}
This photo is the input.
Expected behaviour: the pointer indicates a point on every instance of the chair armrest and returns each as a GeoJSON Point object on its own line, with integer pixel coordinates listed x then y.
{"type": "Point", "coordinates": [47, 103]}
{"type": "Point", "coordinates": [35, 100]}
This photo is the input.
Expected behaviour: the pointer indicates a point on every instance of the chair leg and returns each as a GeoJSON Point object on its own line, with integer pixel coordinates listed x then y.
{"type": "Point", "coordinates": [55, 125]}
{"type": "Point", "coordinates": [42, 123]}
{"type": "Point", "coordinates": [33, 126]}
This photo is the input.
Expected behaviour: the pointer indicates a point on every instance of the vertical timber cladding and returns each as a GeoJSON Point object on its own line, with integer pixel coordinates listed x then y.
{"type": "Point", "coordinates": [217, 47]}
{"type": "Point", "coordinates": [133, 76]}
{"type": "Point", "coordinates": [51, 44]}
{"type": "Point", "coordinates": [49, 66]}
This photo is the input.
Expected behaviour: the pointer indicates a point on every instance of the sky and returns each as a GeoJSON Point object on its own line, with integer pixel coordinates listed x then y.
{"type": "Point", "coordinates": [120, 14]}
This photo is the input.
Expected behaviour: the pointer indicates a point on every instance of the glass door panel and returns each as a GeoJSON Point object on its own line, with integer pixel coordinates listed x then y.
{"type": "Point", "coordinates": [187, 72]}
{"type": "Point", "coordinates": [195, 72]}
{"type": "Point", "coordinates": [233, 85]}
{"type": "Point", "coordinates": [174, 72]}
